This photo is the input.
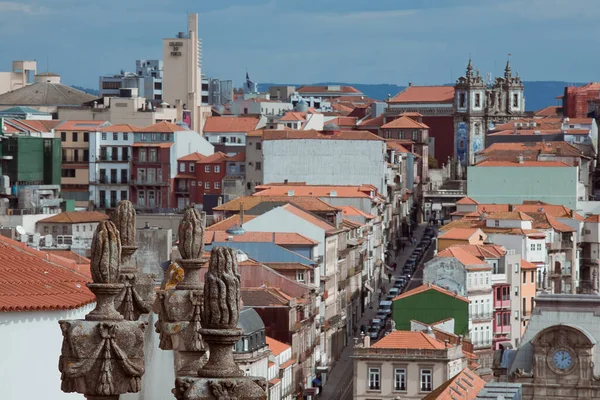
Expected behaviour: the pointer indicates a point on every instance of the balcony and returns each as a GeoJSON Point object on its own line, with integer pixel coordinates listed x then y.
{"type": "Point", "coordinates": [501, 303]}
{"type": "Point", "coordinates": [111, 159]}
{"type": "Point", "coordinates": [50, 202]}
{"type": "Point", "coordinates": [137, 160]}
{"type": "Point", "coordinates": [179, 189]}
{"type": "Point", "coordinates": [482, 316]}
{"type": "Point", "coordinates": [482, 344]}
{"type": "Point", "coordinates": [74, 160]}
{"type": "Point", "coordinates": [148, 182]}
{"type": "Point", "coordinates": [104, 180]}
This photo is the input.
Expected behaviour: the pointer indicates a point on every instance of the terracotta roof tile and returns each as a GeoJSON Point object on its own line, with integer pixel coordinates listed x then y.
{"type": "Point", "coordinates": [292, 116]}
{"type": "Point", "coordinates": [527, 265]}
{"type": "Point", "coordinates": [459, 233]}
{"type": "Point", "coordinates": [230, 124]}
{"type": "Point", "coordinates": [466, 200]}
{"type": "Point", "coordinates": [75, 217]}
{"type": "Point", "coordinates": [270, 189]}
{"type": "Point", "coordinates": [163, 127]}
{"type": "Point", "coordinates": [160, 145]}
{"type": "Point", "coordinates": [265, 297]}
{"type": "Point", "coordinates": [230, 222]}
{"type": "Point", "coordinates": [276, 346]}
{"type": "Point", "coordinates": [393, 144]}
{"type": "Point", "coordinates": [32, 280]}
{"type": "Point", "coordinates": [595, 218]}
{"type": "Point", "coordinates": [425, 94]}
{"type": "Point", "coordinates": [287, 266]}
{"type": "Point", "coordinates": [409, 340]}
{"type": "Point", "coordinates": [353, 211]}
{"type": "Point", "coordinates": [404, 123]}
{"type": "Point", "coordinates": [343, 122]}
{"type": "Point", "coordinates": [510, 216]}
{"type": "Point", "coordinates": [550, 111]}
{"type": "Point", "coordinates": [313, 219]}
{"type": "Point", "coordinates": [324, 89]}
{"type": "Point", "coordinates": [312, 204]}
{"type": "Point", "coordinates": [192, 157]}
{"type": "Point", "coordinates": [376, 122]}
{"type": "Point", "coordinates": [464, 257]}
{"type": "Point", "coordinates": [466, 385]}
{"type": "Point", "coordinates": [529, 151]}
{"type": "Point", "coordinates": [282, 239]}
{"type": "Point", "coordinates": [120, 128]}
{"type": "Point", "coordinates": [426, 287]}
{"type": "Point", "coordinates": [81, 125]}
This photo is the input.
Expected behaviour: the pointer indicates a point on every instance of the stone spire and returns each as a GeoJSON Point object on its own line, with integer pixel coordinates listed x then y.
{"type": "Point", "coordinates": [507, 70]}
{"type": "Point", "coordinates": [103, 355]}
{"type": "Point", "coordinates": [470, 69]}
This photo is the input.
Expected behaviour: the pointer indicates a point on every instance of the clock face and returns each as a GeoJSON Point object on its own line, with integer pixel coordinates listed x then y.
{"type": "Point", "coordinates": [562, 359]}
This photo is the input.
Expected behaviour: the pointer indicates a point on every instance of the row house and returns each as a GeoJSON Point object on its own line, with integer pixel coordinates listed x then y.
{"type": "Point", "coordinates": [155, 152]}
{"type": "Point", "coordinates": [109, 164]}
{"type": "Point", "coordinates": [590, 254]}
{"type": "Point", "coordinates": [75, 137]}
{"type": "Point", "coordinates": [204, 180]}
{"type": "Point", "coordinates": [289, 320]}
{"type": "Point", "coordinates": [400, 178]}
{"type": "Point", "coordinates": [228, 133]}
{"type": "Point", "coordinates": [281, 366]}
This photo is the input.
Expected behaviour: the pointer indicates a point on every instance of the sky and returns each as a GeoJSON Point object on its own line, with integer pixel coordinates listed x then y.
{"type": "Point", "coordinates": [426, 42]}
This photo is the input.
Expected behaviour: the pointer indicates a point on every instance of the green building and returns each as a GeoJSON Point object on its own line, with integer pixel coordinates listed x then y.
{"type": "Point", "coordinates": [30, 160]}
{"type": "Point", "coordinates": [429, 304]}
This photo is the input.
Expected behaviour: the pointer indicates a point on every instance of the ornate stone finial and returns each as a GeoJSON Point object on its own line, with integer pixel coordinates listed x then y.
{"type": "Point", "coordinates": [191, 234]}
{"type": "Point", "coordinates": [221, 290]}
{"type": "Point", "coordinates": [124, 220]}
{"type": "Point", "coordinates": [106, 253]}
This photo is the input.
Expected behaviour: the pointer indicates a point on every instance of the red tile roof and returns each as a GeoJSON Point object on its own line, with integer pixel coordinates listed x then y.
{"type": "Point", "coordinates": [509, 215]}
{"type": "Point", "coordinates": [265, 297]}
{"type": "Point", "coordinates": [283, 239]}
{"type": "Point", "coordinates": [120, 128]}
{"type": "Point", "coordinates": [466, 200]}
{"type": "Point", "coordinates": [313, 134]}
{"type": "Point", "coordinates": [409, 340]}
{"type": "Point", "coordinates": [466, 385]}
{"type": "Point", "coordinates": [373, 122]}
{"type": "Point", "coordinates": [530, 151]}
{"type": "Point", "coordinates": [313, 219]}
{"type": "Point", "coordinates": [394, 144]}
{"type": "Point", "coordinates": [404, 123]}
{"type": "Point", "coordinates": [75, 217]}
{"type": "Point", "coordinates": [550, 111]}
{"type": "Point", "coordinates": [32, 280]}
{"type": "Point", "coordinates": [459, 233]}
{"type": "Point", "coordinates": [343, 122]}
{"type": "Point", "coordinates": [214, 158]}
{"type": "Point", "coordinates": [464, 257]}
{"type": "Point", "coordinates": [230, 124]}
{"type": "Point", "coordinates": [276, 346]}
{"type": "Point", "coordinates": [230, 222]}
{"type": "Point", "coordinates": [312, 204]}
{"type": "Point", "coordinates": [163, 127]}
{"type": "Point", "coordinates": [523, 164]}
{"type": "Point", "coordinates": [527, 265]}
{"type": "Point", "coordinates": [81, 125]}
{"type": "Point", "coordinates": [424, 288]}
{"type": "Point", "coordinates": [160, 145]}
{"type": "Point", "coordinates": [355, 212]}
{"type": "Point", "coordinates": [282, 189]}
{"type": "Point", "coordinates": [425, 94]}
{"type": "Point", "coordinates": [595, 218]}
{"type": "Point", "coordinates": [292, 116]}
{"type": "Point", "coordinates": [192, 157]}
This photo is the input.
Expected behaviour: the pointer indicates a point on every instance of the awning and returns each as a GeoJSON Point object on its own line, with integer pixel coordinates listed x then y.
{"type": "Point", "coordinates": [369, 288]}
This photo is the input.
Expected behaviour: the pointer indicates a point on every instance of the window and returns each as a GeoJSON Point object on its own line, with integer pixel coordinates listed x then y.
{"type": "Point", "coordinates": [516, 100]}
{"type": "Point", "coordinates": [152, 155]}
{"type": "Point", "coordinates": [477, 100]}
{"type": "Point", "coordinates": [124, 176]}
{"type": "Point", "coordinates": [142, 155]}
{"type": "Point", "coordinates": [103, 135]}
{"type": "Point", "coordinates": [300, 276]}
{"type": "Point", "coordinates": [532, 276]}
{"type": "Point", "coordinates": [400, 379]}
{"type": "Point", "coordinates": [524, 306]}
{"type": "Point", "coordinates": [462, 100]}
{"type": "Point", "coordinates": [516, 291]}
{"type": "Point", "coordinates": [125, 153]}
{"type": "Point", "coordinates": [86, 136]}
{"type": "Point", "coordinates": [539, 246]}
{"type": "Point", "coordinates": [516, 268]}
{"type": "Point", "coordinates": [217, 185]}
{"type": "Point", "coordinates": [115, 136]}
{"type": "Point", "coordinates": [63, 136]}
{"type": "Point", "coordinates": [206, 185]}
{"type": "Point", "coordinates": [200, 183]}
{"type": "Point", "coordinates": [193, 183]}
{"type": "Point", "coordinates": [125, 136]}
{"type": "Point", "coordinates": [123, 194]}
{"type": "Point", "coordinates": [192, 167]}
{"type": "Point", "coordinates": [217, 168]}
{"type": "Point", "coordinates": [182, 167]}
{"type": "Point", "coordinates": [75, 136]}
{"type": "Point", "coordinates": [207, 168]}
{"type": "Point", "coordinates": [86, 155]}
{"type": "Point", "coordinates": [524, 277]}
{"type": "Point", "coordinates": [258, 146]}
{"type": "Point", "coordinates": [426, 378]}
{"type": "Point", "coordinates": [65, 230]}
{"type": "Point", "coordinates": [374, 379]}
{"type": "Point", "coordinates": [415, 135]}
{"type": "Point", "coordinates": [532, 247]}
{"type": "Point", "coordinates": [46, 229]}
{"type": "Point", "coordinates": [258, 166]}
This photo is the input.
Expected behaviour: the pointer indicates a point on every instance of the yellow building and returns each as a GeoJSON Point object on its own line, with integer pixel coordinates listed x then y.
{"type": "Point", "coordinates": [456, 236]}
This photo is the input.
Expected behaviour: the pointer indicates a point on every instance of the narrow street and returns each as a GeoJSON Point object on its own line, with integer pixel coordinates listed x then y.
{"type": "Point", "coordinates": [339, 385]}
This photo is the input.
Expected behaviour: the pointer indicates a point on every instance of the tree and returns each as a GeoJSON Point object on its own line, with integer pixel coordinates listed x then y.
{"type": "Point", "coordinates": [432, 162]}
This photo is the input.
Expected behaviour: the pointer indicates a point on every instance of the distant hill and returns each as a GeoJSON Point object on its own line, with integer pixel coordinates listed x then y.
{"type": "Point", "coordinates": [93, 92]}
{"type": "Point", "coordinates": [538, 94]}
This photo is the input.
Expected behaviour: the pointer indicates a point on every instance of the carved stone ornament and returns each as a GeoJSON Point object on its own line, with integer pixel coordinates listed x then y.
{"type": "Point", "coordinates": [137, 296]}
{"type": "Point", "coordinates": [220, 378]}
{"type": "Point", "coordinates": [103, 355]}
{"type": "Point", "coordinates": [191, 234]}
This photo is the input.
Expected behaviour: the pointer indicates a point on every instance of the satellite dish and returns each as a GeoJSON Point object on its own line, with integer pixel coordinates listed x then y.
{"type": "Point", "coordinates": [20, 230]}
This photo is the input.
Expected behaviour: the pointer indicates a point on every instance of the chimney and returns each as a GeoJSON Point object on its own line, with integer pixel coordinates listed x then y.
{"type": "Point", "coordinates": [511, 208]}
{"type": "Point", "coordinates": [367, 341]}
{"type": "Point", "coordinates": [572, 213]}
{"type": "Point", "coordinates": [241, 214]}
{"type": "Point", "coordinates": [520, 158]}
{"type": "Point", "coordinates": [285, 181]}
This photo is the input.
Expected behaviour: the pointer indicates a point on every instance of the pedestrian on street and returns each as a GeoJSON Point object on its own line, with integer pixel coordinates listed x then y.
{"type": "Point", "coordinates": [390, 277]}
{"type": "Point", "coordinates": [403, 246]}
{"type": "Point", "coordinates": [414, 241]}
{"type": "Point", "coordinates": [394, 265]}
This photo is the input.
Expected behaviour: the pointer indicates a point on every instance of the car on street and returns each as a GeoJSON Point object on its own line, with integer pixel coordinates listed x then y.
{"type": "Point", "coordinates": [381, 315]}
{"type": "Point", "coordinates": [373, 333]}
{"type": "Point", "coordinates": [394, 292]}
{"type": "Point", "coordinates": [386, 306]}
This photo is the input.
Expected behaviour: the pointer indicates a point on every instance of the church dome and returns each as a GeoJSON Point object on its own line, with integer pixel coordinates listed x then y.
{"type": "Point", "coordinates": [302, 106]}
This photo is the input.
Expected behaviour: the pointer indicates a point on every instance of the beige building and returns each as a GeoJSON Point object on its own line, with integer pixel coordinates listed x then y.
{"type": "Point", "coordinates": [18, 77]}
{"type": "Point", "coordinates": [79, 224]}
{"type": "Point", "coordinates": [404, 364]}
{"type": "Point", "coordinates": [122, 110]}
{"type": "Point", "coordinates": [75, 140]}
{"type": "Point", "coordinates": [182, 80]}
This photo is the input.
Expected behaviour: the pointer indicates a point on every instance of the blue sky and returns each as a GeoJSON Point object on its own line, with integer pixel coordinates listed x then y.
{"type": "Point", "coordinates": [304, 41]}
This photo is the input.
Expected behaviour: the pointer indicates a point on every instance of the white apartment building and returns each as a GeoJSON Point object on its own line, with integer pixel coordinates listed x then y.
{"type": "Point", "coordinates": [109, 172]}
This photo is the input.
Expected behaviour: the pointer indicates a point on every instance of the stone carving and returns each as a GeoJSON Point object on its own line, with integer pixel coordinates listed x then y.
{"type": "Point", "coordinates": [103, 355]}
{"type": "Point", "coordinates": [222, 290]}
{"type": "Point", "coordinates": [191, 234]}
{"type": "Point", "coordinates": [135, 299]}
{"type": "Point", "coordinates": [220, 378]}
{"type": "Point", "coordinates": [180, 310]}
{"type": "Point", "coordinates": [106, 253]}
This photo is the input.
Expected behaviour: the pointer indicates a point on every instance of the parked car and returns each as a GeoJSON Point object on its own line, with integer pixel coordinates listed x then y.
{"type": "Point", "coordinates": [381, 315]}
{"type": "Point", "coordinates": [386, 306]}
{"type": "Point", "coordinates": [373, 333]}
{"type": "Point", "coordinates": [377, 323]}
{"type": "Point", "coordinates": [389, 297]}
{"type": "Point", "coordinates": [394, 292]}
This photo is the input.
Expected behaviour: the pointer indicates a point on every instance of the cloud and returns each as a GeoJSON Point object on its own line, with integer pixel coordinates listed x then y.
{"type": "Point", "coordinates": [11, 6]}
